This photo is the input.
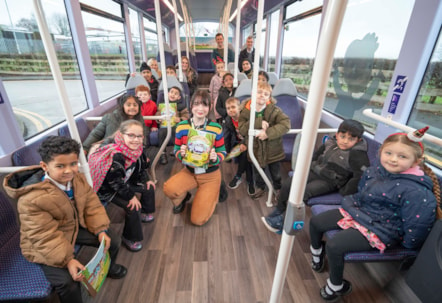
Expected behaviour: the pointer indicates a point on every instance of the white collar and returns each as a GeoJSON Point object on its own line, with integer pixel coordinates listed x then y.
{"type": "Point", "coordinates": [59, 185]}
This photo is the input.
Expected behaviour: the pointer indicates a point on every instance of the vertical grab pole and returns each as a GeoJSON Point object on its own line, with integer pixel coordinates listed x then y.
{"type": "Point", "coordinates": [58, 77]}
{"type": "Point", "coordinates": [321, 72]}
{"type": "Point", "coordinates": [237, 48]}
{"type": "Point", "coordinates": [165, 87]}
{"type": "Point", "coordinates": [178, 43]}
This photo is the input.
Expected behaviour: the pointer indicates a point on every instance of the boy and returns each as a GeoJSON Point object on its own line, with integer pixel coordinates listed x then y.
{"type": "Point", "coordinates": [171, 70]}
{"type": "Point", "coordinates": [146, 72]}
{"type": "Point", "coordinates": [225, 92]}
{"type": "Point", "coordinates": [267, 145]}
{"type": "Point", "coordinates": [232, 137]}
{"type": "Point", "coordinates": [337, 165]}
{"type": "Point", "coordinates": [58, 209]}
{"type": "Point", "coordinates": [149, 108]}
{"type": "Point", "coordinates": [215, 85]}
{"type": "Point", "coordinates": [182, 113]}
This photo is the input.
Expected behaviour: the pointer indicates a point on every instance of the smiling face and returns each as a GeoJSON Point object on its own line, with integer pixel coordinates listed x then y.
{"type": "Point", "coordinates": [200, 110]}
{"type": "Point", "coordinates": [249, 43]}
{"type": "Point", "coordinates": [174, 95]}
{"type": "Point", "coordinates": [262, 96]}
{"type": "Point", "coordinates": [232, 109]}
{"type": "Point", "coordinates": [62, 168]}
{"type": "Point", "coordinates": [397, 157]}
{"type": "Point", "coordinates": [184, 64]}
{"type": "Point", "coordinates": [220, 41]}
{"type": "Point", "coordinates": [131, 107]}
{"type": "Point", "coordinates": [220, 68]}
{"type": "Point", "coordinates": [147, 74]}
{"type": "Point", "coordinates": [228, 82]}
{"type": "Point", "coordinates": [133, 136]}
{"type": "Point", "coordinates": [154, 65]}
{"type": "Point", "coordinates": [144, 96]}
{"type": "Point", "coordinates": [246, 66]}
{"type": "Point", "coordinates": [262, 79]}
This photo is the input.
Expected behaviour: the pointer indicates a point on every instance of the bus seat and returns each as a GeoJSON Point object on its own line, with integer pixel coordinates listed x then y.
{"type": "Point", "coordinates": [155, 74]}
{"type": "Point", "coordinates": [273, 78]}
{"type": "Point", "coordinates": [231, 67]}
{"type": "Point", "coordinates": [82, 127]}
{"type": "Point", "coordinates": [27, 155]}
{"type": "Point", "coordinates": [241, 76]}
{"type": "Point", "coordinates": [168, 56]}
{"type": "Point", "coordinates": [20, 280]}
{"type": "Point", "coordinates": [133, 82]}
{"type": "Point", "coordinates": [204, 62]}
{"type": "Point", "coordinates": [285, 94]}
{"type": "Point", "coordinates": [244, 90]}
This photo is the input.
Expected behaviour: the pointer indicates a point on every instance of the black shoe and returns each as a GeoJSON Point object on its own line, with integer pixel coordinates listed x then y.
{"type": "Point", "coordinates": [223, 194]}
{"type": "Point", "coordinates": [250, 189]}
{"type": "Point", "coordinates": [117, 271]}
{"type": "Point", "coordinates": [236, 181]}
{"type": "Point", "coordinates": [319, 266]}
{"type": "Point", "coordinates": [163, 159]}
{"type": "Point", "coordinates": [345, 290]}
{"type": "Point", "coordinates": [180, 207]}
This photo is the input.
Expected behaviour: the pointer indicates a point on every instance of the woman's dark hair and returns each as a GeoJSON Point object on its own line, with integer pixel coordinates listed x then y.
{"type": "Point", "coordinates": [122, 100]}
{"type": "Point", "coordinates": [263, 73]}
{"type": "Point", "coordinates": [57, 145]}
{"type": "Point", "coordinates": [201, 96]}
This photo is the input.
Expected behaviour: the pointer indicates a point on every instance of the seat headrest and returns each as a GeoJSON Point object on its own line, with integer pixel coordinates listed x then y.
{"type": "Point", "coordinates": [155, 74]}
{"type": "Point", "coordinates": [273, 78]}
{"type": "Point", "coordinates": [241, 77]}
{"type": "Point", "coordinates": [231, 67]}
{"type": "Point", "coordinates": [171, 81]}
{"type": "Point", "coordinates": [244, 88]}
{"type": "Point", "coordinates": [136, 80]}
{"type": "Point", "coordinates": [284, 86]}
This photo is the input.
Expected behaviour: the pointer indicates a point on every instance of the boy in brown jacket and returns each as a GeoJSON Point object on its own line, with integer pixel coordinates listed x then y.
{"type": "Point", "coordinates": [58, 209]}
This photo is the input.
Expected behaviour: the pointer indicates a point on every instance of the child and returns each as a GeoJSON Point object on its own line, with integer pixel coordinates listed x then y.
{"type": "Point", "coordinates": [394, 206]}
{"type": "Point", "coordinates": [267, 145]}
{"type": "Point", "coordinates": [337, 165]}
{"type": "Point", "coordinates": [171, 70]}
{"type": "Point", "coordinates": [207, 181]}
{"type": "Point", "coordinates": [247, 68]}
{"type": "Point", "coordinates": [215, 85]}
{"type": "Point", "coordinates": [181, 115]}
{"type": "Point", "coordinates": [149, 108]}
{"type": "Point", "coordinates": [263, 77]}
{"type": "Point", "coordinates": [225, 92]}
{"type": "Point", "coordinates": [232, 138]}
{"type": "Point", "coordinates": [128, 108]}
{"type": "Point", "coordinates": [153, 63]}
{"type": "Point", "coordinates": [146, 72]}
{"type": "Point", "coordinates": [58, 209]}
{"type": "Point", "coordinates": [119, 171]}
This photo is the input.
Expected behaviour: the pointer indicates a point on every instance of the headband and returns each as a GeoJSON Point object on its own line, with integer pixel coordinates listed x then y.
{"type": "Point", "coordinates": [415, 136]}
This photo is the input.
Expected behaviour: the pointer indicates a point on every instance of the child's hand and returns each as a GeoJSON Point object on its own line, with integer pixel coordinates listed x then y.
{"type": "Point", "coordinates": [183, 149]}
{"type": "Point", "coordinates": [74, 266]}
{"type": "Point", "coordinates": [243, 147]}
{"type": "Point", "coordinates": [262, 135]}
{"type": "Point", "coordinates": [107, 240]}
{"type": "Point", "coordinates": [213, 156]}
{"type": "Point", "coordinates": [149, 184]}
{"type": "Point", "coordinates": [177, 119]}
{"type": "Point", "coordinates": [265, 125]}
{"type": "Point", "coordinates": [154, 129]}
{"type": "Point", "coordinates": [134, 203]}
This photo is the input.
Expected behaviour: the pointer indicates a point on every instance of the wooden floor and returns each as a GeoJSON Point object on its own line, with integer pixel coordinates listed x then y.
{"type": "Point", "coordinates": [230, 259]}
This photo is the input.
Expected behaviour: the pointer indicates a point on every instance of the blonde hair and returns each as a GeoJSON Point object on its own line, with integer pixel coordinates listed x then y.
{"type": "Point", "coordinates": [419, 155]}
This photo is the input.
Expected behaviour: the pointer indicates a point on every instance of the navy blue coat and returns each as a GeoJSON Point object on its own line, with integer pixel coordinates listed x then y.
{"type": "Point", "coordinates": [398, 208]}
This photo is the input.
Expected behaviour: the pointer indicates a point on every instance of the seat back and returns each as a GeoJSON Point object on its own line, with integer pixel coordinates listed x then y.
{"type": "Point", "coordinates": [82, 127]}
{"type": "Point", "coordinates": [241, 77]}
{"type": "Point", "coordinates": [171, 81]}
{"type": "Point", "coordinates": [285, 94]}
{"type": "Point", "coordinates": [231, 67]}
{"type": "Point", "coordinates": [273, 78]}
{"type": "Point", "coordinates": [133, 82]}
{"type": "Point", "coordinates": [204, 62]}
{"type": "Point", "coordinates": [244, 90]}
{"type": "Point", "coordinates": [168, 56]}
{"type": "Point", "coordinates": [27, 155]}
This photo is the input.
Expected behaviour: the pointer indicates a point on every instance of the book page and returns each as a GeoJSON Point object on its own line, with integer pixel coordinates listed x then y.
{"type": "Point", "coordinates": [172, 111]}
{"type": "Point", "coordinates": [199, 144]}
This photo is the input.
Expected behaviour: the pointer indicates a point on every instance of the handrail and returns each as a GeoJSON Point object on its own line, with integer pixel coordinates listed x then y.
{"type": "Point", "coordinates": [294, 219]}
{"type": "Point", "coordinates": [427, 137]}
{"type": "Point", "coordinates": [237, 48]}
{"type": "Point", "coordinates": [61, 88]}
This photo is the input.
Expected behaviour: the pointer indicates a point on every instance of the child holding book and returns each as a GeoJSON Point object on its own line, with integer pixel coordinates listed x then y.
{"type": "Point", "coordinates": [58, 209]}
{"type": "Point", "coordinates": [179, 113]}
{"type": "Point", "coordinates": [206, 178]}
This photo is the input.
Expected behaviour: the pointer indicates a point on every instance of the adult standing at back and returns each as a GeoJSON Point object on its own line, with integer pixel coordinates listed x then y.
{"type": "Point", "coordinates": [218, 52]}
{"type": "Point", "coordinates": [247, 53]}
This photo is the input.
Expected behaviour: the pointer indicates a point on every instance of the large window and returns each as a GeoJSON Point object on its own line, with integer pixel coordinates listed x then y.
{"type": "Point", "coordinates": [24, 66]}
{"type": "Point", "coordinates": [427, 109]}
{"type": "Point", "coordinates": [274, 26]}
{"type": "Point", "coordinates": [205, 33]}
{"type": "Point", "coordinates": [150, 34]}
{"type": "Point", "coordinates": [135, 31]}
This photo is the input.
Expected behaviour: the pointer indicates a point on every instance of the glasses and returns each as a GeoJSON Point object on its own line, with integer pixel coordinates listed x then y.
{"type": "Point", "coordinates": [133, 136]}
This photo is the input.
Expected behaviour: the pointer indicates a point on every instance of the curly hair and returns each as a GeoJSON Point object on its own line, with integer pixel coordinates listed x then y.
{"type": "Point", "coordinates": [57, 145]}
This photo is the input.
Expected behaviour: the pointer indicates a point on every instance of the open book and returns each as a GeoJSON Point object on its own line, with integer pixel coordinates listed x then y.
{"type": "Point", "coordinates": [235, 152]}
{"type": "Point", "coordinates": [172, 112]}
{"type": "Point", "coordinates": [199, 144]}
{"type": "Point", "coordinates": [96, 270]}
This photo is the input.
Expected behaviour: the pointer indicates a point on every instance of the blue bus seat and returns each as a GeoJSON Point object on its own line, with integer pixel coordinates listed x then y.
{"type": "Point", "coordinates": [82, 127]}
{"type": "Point", "coordinates": [27, 155]}
{"type": "Point", "coordinates": [168, 56]}
{"type": "Point", "coordinates": [205, 62]}
{"type": "Point", "coordinates": [285, 94]}
{"type": "Point", "coordinates": [19, 278]}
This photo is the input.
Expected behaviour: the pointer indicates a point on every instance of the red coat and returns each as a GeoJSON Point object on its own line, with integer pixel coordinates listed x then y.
{"type": "Point", "coordinates": [149, 109]}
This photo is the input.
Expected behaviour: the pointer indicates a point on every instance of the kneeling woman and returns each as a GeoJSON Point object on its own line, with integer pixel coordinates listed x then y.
{"type": "Point", "coordinates": [207, 180]}
{"type": "Point", "coordinates": [119, 170]}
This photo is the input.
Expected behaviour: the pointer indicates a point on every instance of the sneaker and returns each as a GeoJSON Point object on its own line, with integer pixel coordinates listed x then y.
{"type": "Point", "coordinates": [145, 218]}
{"type": "Point", "coordinates": [258, 193]}
{"type": "Point", "coordinates": [132, 245]}
{"type": "Point", "coordinates": [236, 181]}
{"type": "Point", "coordinates": [275, 212]}
{"type": "Point", "coordinates": [250, 189]}
{"type": "Point", "coordinates": [117, 271]}
{"type": "Point", "coordinates": [274, 224]}
{"type": "Point", "coordinates": [163, 159]}
{"type": "Point", "coordinates": [345, 290]}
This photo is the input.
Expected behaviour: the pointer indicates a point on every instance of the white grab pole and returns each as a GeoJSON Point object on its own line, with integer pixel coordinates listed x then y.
{"type": "Point", "coordinates": [237, 48]}
{"type": "Point", "coordinates": [321, 72]}
{"type": "Point", "coordinates": [61, 88]}
{"type": "Point", "coordinates": [178, 44]}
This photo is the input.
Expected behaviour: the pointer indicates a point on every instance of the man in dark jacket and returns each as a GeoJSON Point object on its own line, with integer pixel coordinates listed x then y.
{"type": "Point", "coordinates": [247, 53]}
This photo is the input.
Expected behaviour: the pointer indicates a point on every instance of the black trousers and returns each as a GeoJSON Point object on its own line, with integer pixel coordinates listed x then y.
{"type": "Point", "coordinates": [67, 289]}
{"type": "Point", "coordinates": [275, 173]}
{"type": "Point", "coordinates": [132, 230]}
{"type": "Point", "coordinates": [245, 166]}
{"type": "Point", "coordinates": [347, 240]}
{"type": "Point", "coordinates": [162, 134]}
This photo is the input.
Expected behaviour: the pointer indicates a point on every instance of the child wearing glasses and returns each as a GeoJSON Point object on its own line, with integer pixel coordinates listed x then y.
{"type": "Point", "coordinates": [119, 171]}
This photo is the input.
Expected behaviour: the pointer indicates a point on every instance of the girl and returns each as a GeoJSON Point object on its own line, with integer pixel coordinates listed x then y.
{"type": "Point", "coordinates": [129, 107]}
{"type": "Point", "coordinates": [190, 73]}
{"type": "Point", "coordinates": [394, 205]}
{"type": "Point", "coordinates": [247, 67]}
{"type": "Point", "coordinates": [207, 181]}
{"type": "Point", "coordinates": [119, 172]}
